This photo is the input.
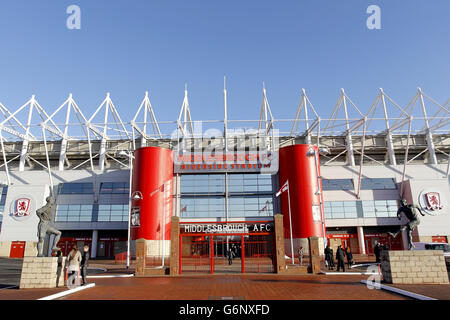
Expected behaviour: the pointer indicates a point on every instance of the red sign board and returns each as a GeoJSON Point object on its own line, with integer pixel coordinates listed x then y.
{"type": "Point", "coordinates": [225, 162]}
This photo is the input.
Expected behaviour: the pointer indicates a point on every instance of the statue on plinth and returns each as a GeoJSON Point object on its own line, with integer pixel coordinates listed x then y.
{"type": "Point", "coordinates": [45, 227]}
{"type": "Point", "coordinates": [411, 212]}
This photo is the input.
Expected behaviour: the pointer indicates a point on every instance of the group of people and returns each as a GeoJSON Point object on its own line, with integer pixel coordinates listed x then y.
{"type": "Point", "coordinates": [76, 262]}
{"type": "Point", "coordinates": [340, 257]}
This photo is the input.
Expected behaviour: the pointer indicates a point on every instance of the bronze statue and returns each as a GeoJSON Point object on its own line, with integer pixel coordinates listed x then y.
{"type": "Point", "coordinates": [410, 211]}
{"type": "Point", "coordinates": [45, 227]}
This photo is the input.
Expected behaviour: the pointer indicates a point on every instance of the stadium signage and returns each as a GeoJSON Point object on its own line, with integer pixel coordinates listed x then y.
{"type": "Point", "coordinates": [227, 228]}
{"type": "Point", "coordinates": [260, 162]}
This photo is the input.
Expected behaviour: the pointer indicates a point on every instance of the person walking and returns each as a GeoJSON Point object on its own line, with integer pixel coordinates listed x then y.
{"type": "Point", "coordinates": [59, 255]}
{"type": "Point", "coordinates": [230, 256]}
{"type": "Point", "coordinates": [74, 258]}
{"type": "Point", "coordinates": [340, 257]}
{"type": "Point", "coordinates": [328, 256]}
{"type": "Point", "coordinates": [300, 255]}
{"type": "Point", "coordinates": [332, 258]}
{"type": "Point", "coordinates": [349, 254]}
{"type": "Point", "coordinates": [84, 263]}
{"type": "Point", "coordinates": [377, 252]}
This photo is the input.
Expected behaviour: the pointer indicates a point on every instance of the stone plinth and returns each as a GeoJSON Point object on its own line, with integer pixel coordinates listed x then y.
{"type": "Point", "coordinates": [414, 267]}
{"type": "Point", "coordinates": [314, 249]}
{"type": "Point", "coordinates": [174, 246]}
{"type": "Point", "coordinates": [280, 264]}
{"type": "Point", "coordinates": [42, 272]}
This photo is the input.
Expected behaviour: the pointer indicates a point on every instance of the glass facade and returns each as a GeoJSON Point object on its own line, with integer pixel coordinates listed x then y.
{"type": "Point", "coordinates": [380, 208]}
{"type": "Point", "coordinates": [76, 188]}
{"type": "Point", "coordinates": [74, 213]}
{"type": "Point", "coordinates": [113, 213]}
{"type": "Point", "coordinates": [92, 213]}
{"type": "Point", "coordinates": [3, 198]}
{"type": "Point", "coordinates": [114, 188]}
{"type": "Point", "coordinates": [337, 184]}
{"type": "Point", "coordinates": [377, 184]}
{"type": "Point", "coordinates": [360, 209]}
{"type": "Point", "coordinates": [249, 195]}
{"type": "Point", "coordinates": [340, 210]}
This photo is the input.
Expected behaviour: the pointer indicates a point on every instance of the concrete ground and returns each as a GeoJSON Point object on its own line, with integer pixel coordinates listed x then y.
{"type": "Point", "coordinates": [210, 287]}
{"type": "Point", "coordinates": [10, 270]}
{"type": "Point", "coordinates": [236, 287]}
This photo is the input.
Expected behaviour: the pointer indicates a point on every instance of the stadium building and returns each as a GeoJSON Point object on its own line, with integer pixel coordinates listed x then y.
{"type": "Point", "coordinates": [339, 178]}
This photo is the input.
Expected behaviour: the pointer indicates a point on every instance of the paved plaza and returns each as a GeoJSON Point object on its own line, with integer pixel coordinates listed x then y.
{"type": "Point", "coordinates": [210, 287]}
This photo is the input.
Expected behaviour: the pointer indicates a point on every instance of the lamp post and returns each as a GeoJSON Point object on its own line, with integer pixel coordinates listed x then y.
{"type": "Point", "coordinates": [130, 160]}
{"type": "Point", "coordinates": [311, 152]}
{"type": "Point", "coordinates": [284, 188]}
{"type": "Point", "coordinates": [162, 189]}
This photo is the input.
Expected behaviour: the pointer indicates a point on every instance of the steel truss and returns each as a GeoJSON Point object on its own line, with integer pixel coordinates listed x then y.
{"type": "Point", "coordinates": [347, 133]}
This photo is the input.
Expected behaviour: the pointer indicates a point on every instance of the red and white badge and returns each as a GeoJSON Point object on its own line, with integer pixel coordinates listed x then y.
{"type": "Point", "coordinates": [432, 201]}
{"type": "Point", "coordinates": [22, 207]}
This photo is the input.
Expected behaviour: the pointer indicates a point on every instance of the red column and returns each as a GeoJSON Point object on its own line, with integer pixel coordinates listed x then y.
{"type": "Point", "coordinates": [299, 167]}
{"type": "Point", "coordinates": [211, 252]}
{"type": "Point", "coordinates": [242, 254]}
{"type": "Point", "coordinates": [153, 167]}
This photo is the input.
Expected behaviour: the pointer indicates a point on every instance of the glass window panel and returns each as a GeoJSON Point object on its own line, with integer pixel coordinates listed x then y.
{"type": "Point", "coordinates": [235, 188]}
{"type": "Point", "coordinates": [337, 184]}
{"type": "Point", "coordinates": [267, 188]}
{"type": "Point", "coordinates": [338, 215]}
{"type": "Point", "coordinates": [251, 200]}
{"type": "Point", "coordinates": [349, 204]}
{"type": "Point", "coordinates": [351, 214]}
{"type": "Point", "coordinates": [71, 218]}
{"type": "Point", "coordinates": [377, 183]}
{"type": "Point", "coordinates": [253, 189]}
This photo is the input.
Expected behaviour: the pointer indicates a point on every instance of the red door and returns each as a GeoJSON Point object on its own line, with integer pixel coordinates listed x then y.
{"type": "Point", "coordinates": [439, 239]}
{"type": "Point", "coordinates": [17, 249]}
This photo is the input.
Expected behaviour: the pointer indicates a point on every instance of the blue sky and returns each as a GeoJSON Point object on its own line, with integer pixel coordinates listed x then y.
{"type": "Point", "coordinates": [129, 47]}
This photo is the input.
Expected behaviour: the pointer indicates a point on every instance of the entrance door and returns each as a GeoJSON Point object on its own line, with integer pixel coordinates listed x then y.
{"type": "Point", "coordinates": [259, 254]}
{"type": "Point", "coordinates": [17, 249]}
{"type": "Point", "coordinates": [223, 247]}
{"type": "Point", "coordinates": [195, 254]}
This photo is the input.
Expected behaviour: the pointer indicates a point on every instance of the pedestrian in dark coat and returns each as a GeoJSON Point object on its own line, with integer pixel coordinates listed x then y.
{"type": "Point", "coordinates": [230, 256]}
{"type": "Point", "coordinates": [328, 256]}
{"type": "Point", "coordinates": [340, 257]}
{"type": "Point", "coordinates": [84, 263]}
{"type": "Point", "coordinates": [349, 254]}
{"type": "Point", "coordinates": [332, 258]}
{"type": "Point", "coordinates": [377, 252]}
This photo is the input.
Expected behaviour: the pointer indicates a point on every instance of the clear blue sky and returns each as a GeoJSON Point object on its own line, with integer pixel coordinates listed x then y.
{"type": "Point", "coordinates": [129, 47]}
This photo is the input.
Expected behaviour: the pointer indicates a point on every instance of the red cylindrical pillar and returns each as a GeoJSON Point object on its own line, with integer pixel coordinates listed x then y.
{"type": "Point", "coordinates": [152, 177]}
{"type": "Point", "coordinates": [298, 166]}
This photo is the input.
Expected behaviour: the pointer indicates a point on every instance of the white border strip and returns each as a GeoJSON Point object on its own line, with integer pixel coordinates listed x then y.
{"type": "Point", "coordinates": [398, 291]}
{"type": "Point", "coordinates": [113, 276]}
{"type": "Point", "coordinates": [9, 287]}
{"type": "Point", "coordinates": [363, 265]}
{"type": "Point", "coordinates": [67, 292]}
{"type": "Point", "coordinates": [350, 273]}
